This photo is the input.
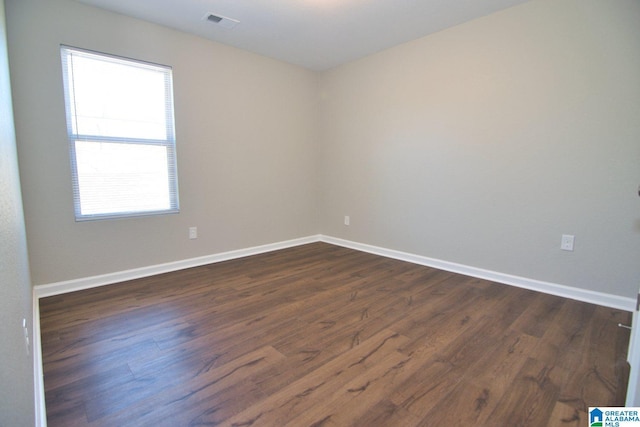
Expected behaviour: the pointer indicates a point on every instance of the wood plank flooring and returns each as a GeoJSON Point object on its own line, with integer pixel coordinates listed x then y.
{"type": "Point", "coordinates": [320, 335]}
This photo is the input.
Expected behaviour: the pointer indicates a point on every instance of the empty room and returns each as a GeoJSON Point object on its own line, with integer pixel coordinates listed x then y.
{"type": "Point", "coordinates": [318, 212]}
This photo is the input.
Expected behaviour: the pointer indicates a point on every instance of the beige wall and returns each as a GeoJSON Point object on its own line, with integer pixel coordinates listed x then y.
{"type": "Point", "coordinates": [480, 145]}
{"type": "Point", "coordinates": [484, 143]}
{"type": "Point", "coordinates": [16, 365]}
{"type": "Point", "coordinates": [246, 131]}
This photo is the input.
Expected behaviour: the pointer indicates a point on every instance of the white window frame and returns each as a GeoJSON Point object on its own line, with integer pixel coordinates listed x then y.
{"type": "Point", "coordinates": [169, 143]}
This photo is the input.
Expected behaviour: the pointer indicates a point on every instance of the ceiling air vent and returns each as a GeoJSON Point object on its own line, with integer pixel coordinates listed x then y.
{"type": "Point", "coordinates": [221, 21]}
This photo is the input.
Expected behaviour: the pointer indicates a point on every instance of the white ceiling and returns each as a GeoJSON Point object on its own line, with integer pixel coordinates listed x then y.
{"type": "Point", "coordinates": [316, 34]}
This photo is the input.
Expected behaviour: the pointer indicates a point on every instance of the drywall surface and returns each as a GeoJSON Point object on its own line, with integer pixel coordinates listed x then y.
{"type": "Point", "coordinates": [479, 145]}
{"type": "Point", "coordinates": [16, 366]}
{"type": "Point", "coordinates": [246, 130]}
{"type": "Point", "coordinates": [484, 143]}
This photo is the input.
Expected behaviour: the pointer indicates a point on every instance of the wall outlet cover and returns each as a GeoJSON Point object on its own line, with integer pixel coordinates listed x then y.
{"type": "Point", "coordinates": [567, 242]}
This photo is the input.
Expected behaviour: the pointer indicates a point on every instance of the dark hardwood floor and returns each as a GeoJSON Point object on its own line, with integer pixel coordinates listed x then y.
{"type": "Point", "coordinates": [320, 335]}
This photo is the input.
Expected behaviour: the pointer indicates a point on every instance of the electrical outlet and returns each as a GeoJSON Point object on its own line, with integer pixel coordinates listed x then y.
{"type": "Point", "coordinates": [193, 232]}
{"type": "Point", "coordinates": [567, 242]}
{"type": "Point", "coordinates": [347, 220]}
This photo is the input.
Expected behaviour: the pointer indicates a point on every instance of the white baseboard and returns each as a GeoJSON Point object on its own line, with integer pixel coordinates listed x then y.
{"type": "Point", "coordinates": [599, 298]}
{"type": "Point", "coordinates": [38, 372]}
{"type": "Point", "coordinates": [58, 288]}
{"type": "Point", "coordinates": [593, 297]}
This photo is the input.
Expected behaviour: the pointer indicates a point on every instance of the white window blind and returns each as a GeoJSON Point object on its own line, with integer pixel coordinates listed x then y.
{"type": "Point", "coordinates": [121, 135]}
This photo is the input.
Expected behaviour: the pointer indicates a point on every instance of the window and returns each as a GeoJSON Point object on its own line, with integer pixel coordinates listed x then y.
{"type": "Point", "coordinates": [121, 135]}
